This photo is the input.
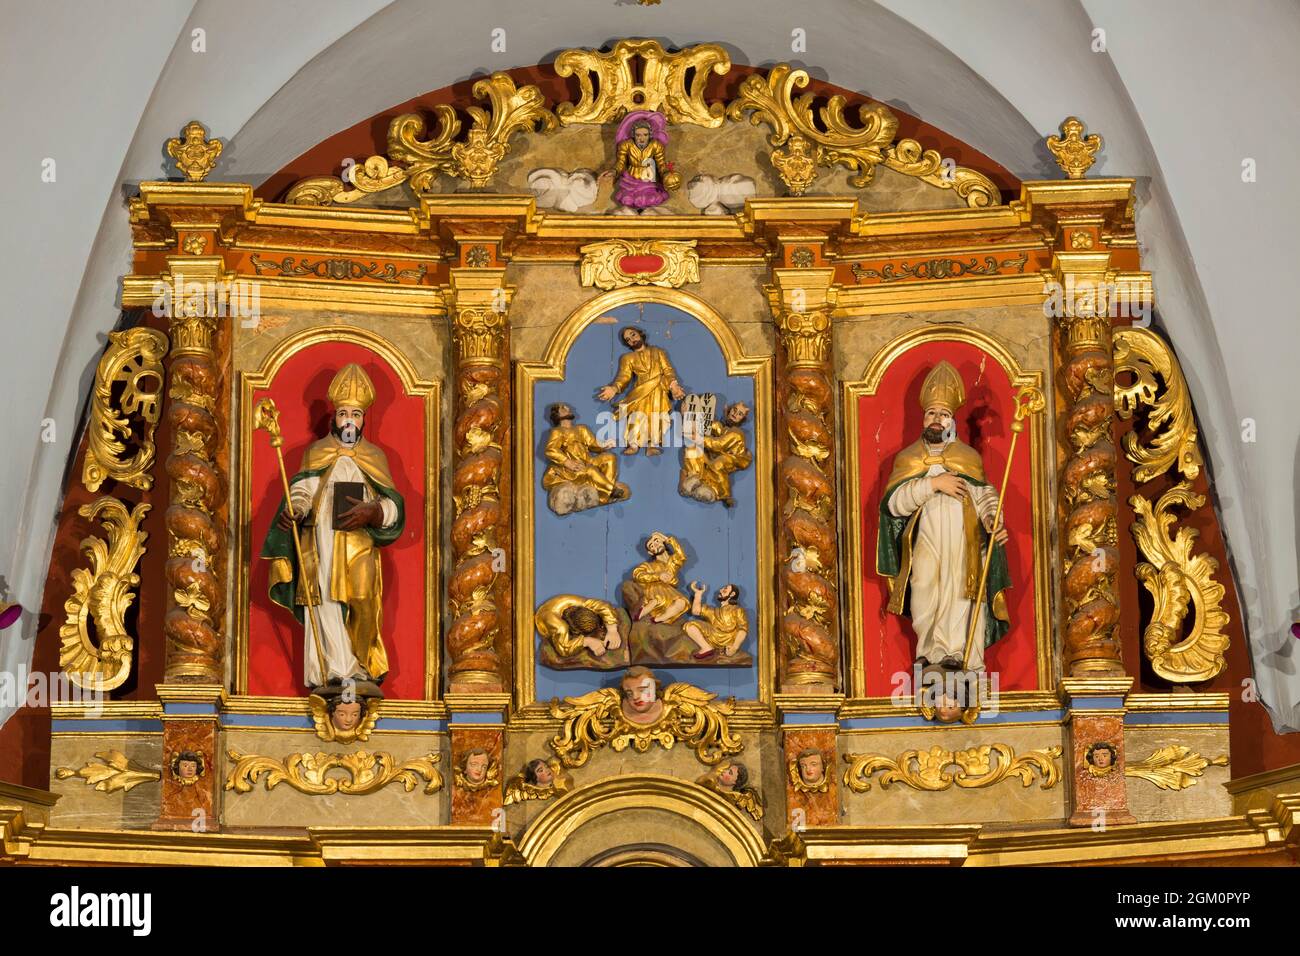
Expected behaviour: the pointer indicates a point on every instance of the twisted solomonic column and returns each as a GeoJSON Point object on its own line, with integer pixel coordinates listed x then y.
{"type": "Point", "coordinates": [1087, 495]}
{"type": "Point", "coordinates": [195, 517]}
{"type": "Point", "coordinates": [480, 585]}
{"type": "Point", "coordinates": [807, 545]}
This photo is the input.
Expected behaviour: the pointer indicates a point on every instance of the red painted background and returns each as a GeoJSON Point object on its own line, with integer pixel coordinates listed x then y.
{"type": "Point", "coordinates": [984, 423]}
{"type": "Point", "coordinates": [395, 422]}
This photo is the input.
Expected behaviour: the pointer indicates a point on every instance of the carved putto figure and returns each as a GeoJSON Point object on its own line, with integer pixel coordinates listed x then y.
{"type": "Point", "coordinates": [539, 780]}
{"type": "Point", "coordinates": [641, 712]}
{"type": "Point", "coordinates": [936, 522]}
{"type": "Point", "coordinates": [808, 771]}
{"type": "Point", "coordinates": [346, 507]}
{"type": "Point", "coordinates": [477, 771]}
{"type": "Point", "coordinates": [581, 473]}
{"type": "Point", "coordinates": [712, 453]}
{"type": "Point", "coordinates": [345, 712]}
{"type": "Point", "coordinates": [730, 779]}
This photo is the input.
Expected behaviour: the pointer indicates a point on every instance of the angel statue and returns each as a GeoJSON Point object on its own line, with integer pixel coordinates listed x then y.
{"type": "Point", "coordinates": [644, 174]}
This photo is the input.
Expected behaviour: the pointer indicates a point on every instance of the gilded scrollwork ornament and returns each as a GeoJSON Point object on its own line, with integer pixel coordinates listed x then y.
{"type": "Point", "coordinates": [638, 714]}
{"type": "Point", "coordinates": [802, 138]}
{"type": "Point", "coordinates": [134, 361]}
{"type": "Point", "coordinates": [662, 85]}
{"type": "Point", "coordinates": [367, 772]}
{"type": "Point", "coordinates": [102, 595]}
{"type": "Point", "coordinates": [1173, 444]}
{"type": "Point", "coordinates": [1175, 767]}
{"type": "Point", "coordinates": [938, 769]}
{"type": "Point", "coordinates": [1179, 582]}
{"type": "Point", "coordinates": [601, 263]}
{"type": "Point", "coordinates": [418, 162]}
{"type": "Point", "coordinates": [110, 771]}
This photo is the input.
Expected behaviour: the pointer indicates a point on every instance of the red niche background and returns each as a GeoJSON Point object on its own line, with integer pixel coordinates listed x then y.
{"type": "Point", "coordinates": [395, 422]}
{"type": "Point", "coordinates": [984, 423]}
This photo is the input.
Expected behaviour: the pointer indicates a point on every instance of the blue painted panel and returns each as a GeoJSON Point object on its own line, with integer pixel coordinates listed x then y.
{"type": "Point", "coordinates": [591, 552]}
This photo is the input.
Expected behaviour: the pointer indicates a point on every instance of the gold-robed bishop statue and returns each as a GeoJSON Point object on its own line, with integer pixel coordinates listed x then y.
{"type": "Point", "coordinates": [645, 413]}
{"type": "Point", "coordinates": [324, 553]}
{"type": "Point", "coordinates": [937, 516]}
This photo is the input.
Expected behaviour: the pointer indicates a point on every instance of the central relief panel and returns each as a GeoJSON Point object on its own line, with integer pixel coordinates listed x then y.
{"type": "Point", "coordinates": [646, 465]}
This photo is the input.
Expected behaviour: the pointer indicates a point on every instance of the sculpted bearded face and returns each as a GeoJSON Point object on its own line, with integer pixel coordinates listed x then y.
{"type": "Point", "coordinates": [737, 414]}
{"type": "Point", "coordinates": [936, 424]}
{"type": "Point", "coordinates": [632, 338]}
{"type": "Point", "coordinates": [348, 423]}
{"type": "Point", "coordinates": [641, 135]}
{"type": "Point", "coordinates": [346, 715]}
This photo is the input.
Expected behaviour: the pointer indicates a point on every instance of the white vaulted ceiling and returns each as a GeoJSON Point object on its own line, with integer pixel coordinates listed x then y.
{"type": "Point", "coordinates": [1186, 90]}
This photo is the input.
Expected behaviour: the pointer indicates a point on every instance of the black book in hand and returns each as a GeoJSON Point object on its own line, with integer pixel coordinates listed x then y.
{"type": "Point", "coordinates": [347, 495]}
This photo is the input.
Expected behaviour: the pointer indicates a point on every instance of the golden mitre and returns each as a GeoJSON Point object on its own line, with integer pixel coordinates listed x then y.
{"type": "Point", "coordinates": [943, 387]}
{"type": "Point", "coordinates": [352, 388]}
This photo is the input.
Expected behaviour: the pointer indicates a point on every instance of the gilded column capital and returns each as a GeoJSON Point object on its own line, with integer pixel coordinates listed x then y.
{"type": "Point", "coordinates": [805, 337]}
{"type": "Point", "coordinates": [478, 301]}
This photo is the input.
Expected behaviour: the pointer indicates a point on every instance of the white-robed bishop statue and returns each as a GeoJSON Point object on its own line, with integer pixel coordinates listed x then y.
{"type": "Point", "coordinates": [346, 507]}
{"type": "Point", "coordinates": [936, 518]}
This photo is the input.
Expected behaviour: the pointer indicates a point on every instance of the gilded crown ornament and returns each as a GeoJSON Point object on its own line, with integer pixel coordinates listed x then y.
{"type": "Point", "coordinates": [352, 388]}
{"type": "Point", "coordinates": [194, 153]}
{"type": "Point", "coordinates": [1074, 153]}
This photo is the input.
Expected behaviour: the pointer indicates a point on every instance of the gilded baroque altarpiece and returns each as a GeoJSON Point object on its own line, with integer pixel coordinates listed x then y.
{"type": "Point", "coordinates": [695, 470]}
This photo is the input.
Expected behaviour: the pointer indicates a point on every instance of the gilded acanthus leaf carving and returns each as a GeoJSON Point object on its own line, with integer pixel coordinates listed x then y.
{"type": "Point", "coordinates": [1174, 767]}
{"type": "Point", "coordinates": [366, 772]}
{"type": "Point", "coordinates": [938, 769]}
{"type": "Point", "coordinates": [1145, 355]}
{"type": "Point", "coordinates": [679, 263]}
{"type": "Point", "coordinates": [419, 162]}
{"type": "Point", "coordinates": [802, 137]}
{"type": "Point", "coordinates": [111, 771]}
{"type": "Point", "coordinates": [662, 85]}
{"type": "Point", "coordinates": [102, 595]}
{"type": "Point", "coordinates": [134, 361]}
{"type": "Point", "coordinates": [689, 714]}
{"type": "Point", "coordinates": [1179, 582]}
{"type": "Point", "coordinates": [642, 75]}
